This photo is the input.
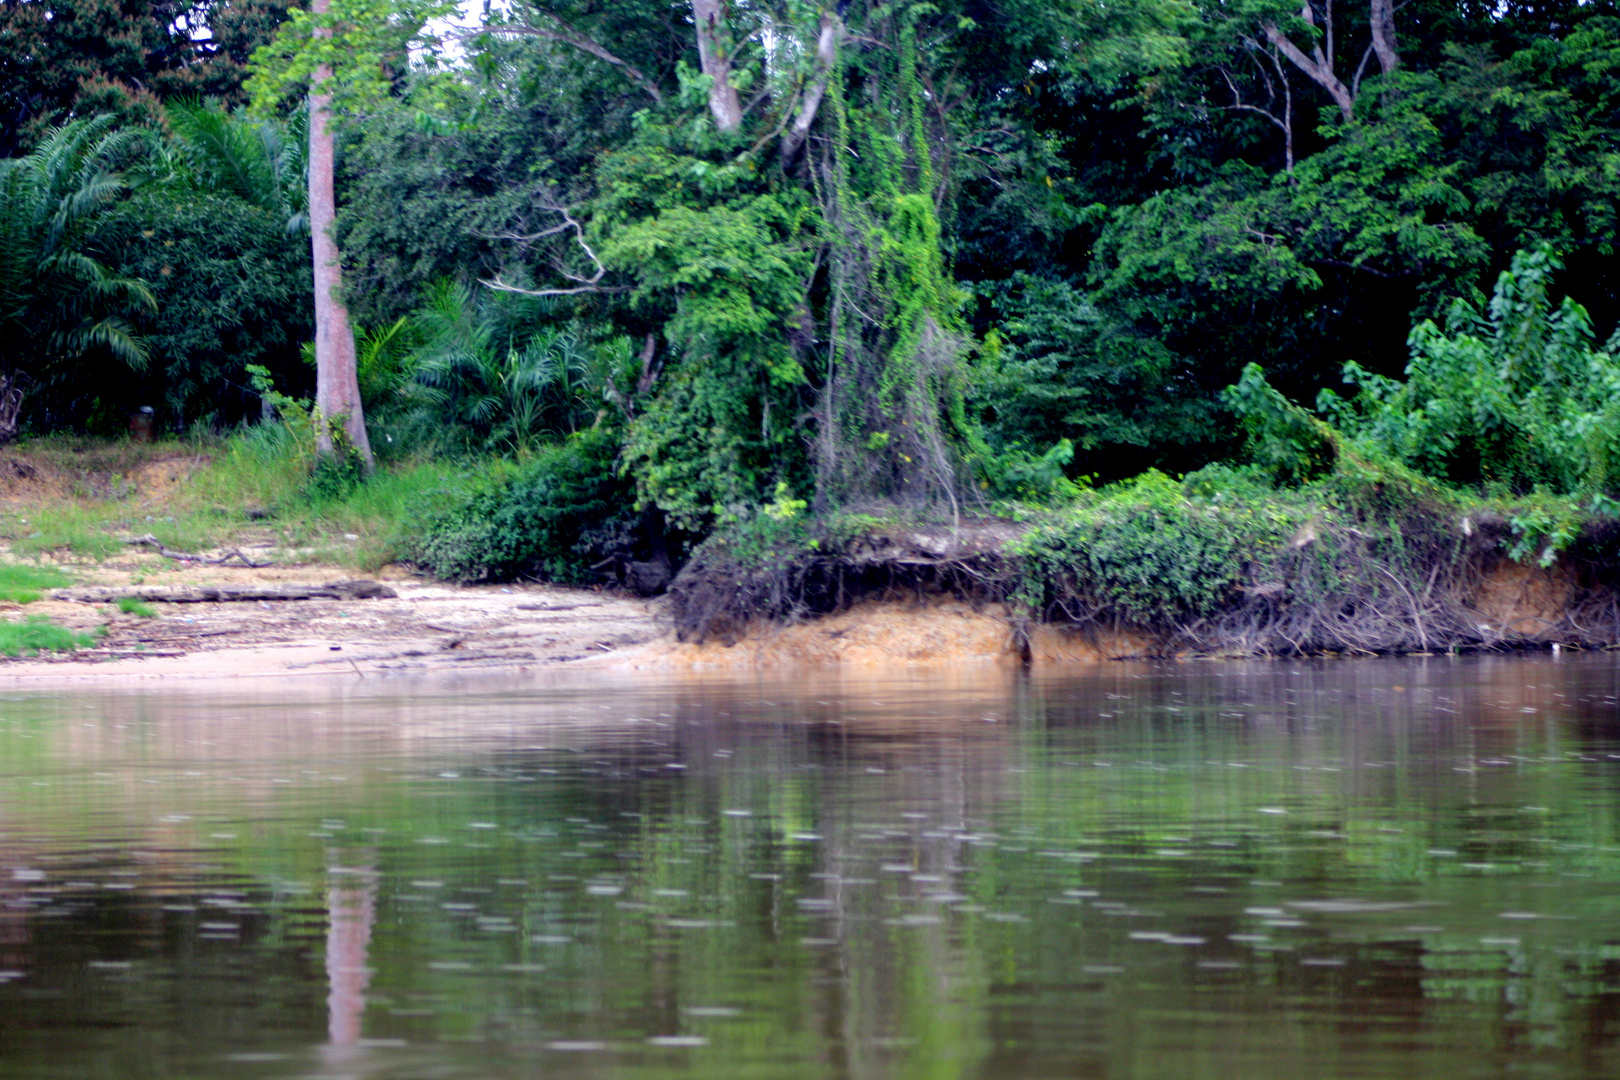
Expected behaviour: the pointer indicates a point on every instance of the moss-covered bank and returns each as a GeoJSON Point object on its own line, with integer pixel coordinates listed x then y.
{"type": "Point", "coordinates": [1361, 561]}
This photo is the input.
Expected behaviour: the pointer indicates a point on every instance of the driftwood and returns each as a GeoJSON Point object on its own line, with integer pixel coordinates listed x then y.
{"type": "Point", "coordinates": [232, 553]}
{"type": "Point", "coordinates": [216, 594]}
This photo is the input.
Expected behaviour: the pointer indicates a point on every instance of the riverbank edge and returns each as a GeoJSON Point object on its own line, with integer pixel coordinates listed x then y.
{"type": "Point", "coordinates": [828, 595]}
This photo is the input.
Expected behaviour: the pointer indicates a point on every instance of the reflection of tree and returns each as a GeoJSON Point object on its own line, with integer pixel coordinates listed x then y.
{"type": "Point", "coordinates": [351, 904]}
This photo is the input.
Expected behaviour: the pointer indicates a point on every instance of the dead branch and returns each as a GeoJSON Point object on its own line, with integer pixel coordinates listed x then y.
{"type": "Point", "coordinates": [220, 594]}
{"type": "Point", "coordinates": [180, 556]}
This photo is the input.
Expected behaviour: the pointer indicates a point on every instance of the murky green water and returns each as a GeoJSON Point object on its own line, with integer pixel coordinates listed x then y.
{"type": "Point", "coordinates": [1276, 870]}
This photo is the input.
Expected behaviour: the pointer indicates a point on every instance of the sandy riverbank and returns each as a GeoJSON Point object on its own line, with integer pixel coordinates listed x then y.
{"type": "Point", "coordinates": [420, 627]}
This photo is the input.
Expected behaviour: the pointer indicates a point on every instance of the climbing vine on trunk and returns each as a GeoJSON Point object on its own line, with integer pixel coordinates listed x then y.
{"type": "Point", "coordinates": [892, 423]}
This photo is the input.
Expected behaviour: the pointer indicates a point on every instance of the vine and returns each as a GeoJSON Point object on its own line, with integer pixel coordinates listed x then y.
{"type": "Point", "coordinates": [893, 423]}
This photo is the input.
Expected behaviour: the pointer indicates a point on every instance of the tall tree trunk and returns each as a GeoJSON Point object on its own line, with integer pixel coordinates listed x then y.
{"type": "Point", "coordinates": [1382, 20]}
{"type": "Point", "coordinates": [832, 30]}
{"type": "Point", "coordinates": [715, 54]}
{"type": "Point", "coordinates": [337, 380]}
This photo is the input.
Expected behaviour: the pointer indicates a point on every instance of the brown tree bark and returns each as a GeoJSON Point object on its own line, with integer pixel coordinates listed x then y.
{"type": "Point", "coordinates": [1382, 19]}
{"type": "Point", "coordinates": [715, 54]}
{"type": "Point", "coordinates": [337, 380]}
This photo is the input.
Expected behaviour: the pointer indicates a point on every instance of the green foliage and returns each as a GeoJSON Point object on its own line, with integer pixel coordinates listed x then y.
{"type": "Point", "coordinates": [129, 605]}
{"type": "Point", "coordinates": [488, 368]}
{"type": "Point", "coordinates": [552, 520]}
{"type": "Point", "coordinates": [70, 58]}
{"type": "Point", "coordinates": [722, 264]}
{"type": "Point", "coordinates": [21, 584]}
{"type": "Point", "coordinates": [37, 634]}
{"type": "Point", "coordinates": [1541, 531]}
{"type": "Point", "coordinates": [58, 304]}
{"type": "Point", "coordinates": [1283, 438]}
{"type": "Point", "coordinates": [360, 43]}
{"type": "Point", "coordinates": [1515, 395]}
{"type": "Point", "coordinates": [217, 228]}
{"type": "Point", "coordinates": [1147, 553]}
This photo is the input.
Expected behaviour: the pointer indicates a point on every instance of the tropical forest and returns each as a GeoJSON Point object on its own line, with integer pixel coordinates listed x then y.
{"type": "Point", "coordinates": [1266, 328]}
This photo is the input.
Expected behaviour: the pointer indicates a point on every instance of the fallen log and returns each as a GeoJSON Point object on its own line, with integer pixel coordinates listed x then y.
{"type": "Point", "coordinates": [220, 594]}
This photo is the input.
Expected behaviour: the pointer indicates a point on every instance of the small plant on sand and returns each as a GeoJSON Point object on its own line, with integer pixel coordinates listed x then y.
{"type": "Point", "coordinates": [38, 634]}
{"type": "Point", "coordinates": [129, 605]}
{"type": "Point", "coordinates": [25, 584]}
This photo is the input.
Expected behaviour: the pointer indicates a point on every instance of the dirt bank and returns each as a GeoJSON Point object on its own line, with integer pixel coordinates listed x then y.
{"type": "Point", "coordinates": [426, 628]}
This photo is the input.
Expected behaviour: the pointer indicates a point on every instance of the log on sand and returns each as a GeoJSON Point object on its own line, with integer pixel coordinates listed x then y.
{"type": "Point", "coordinates": [216, 594]}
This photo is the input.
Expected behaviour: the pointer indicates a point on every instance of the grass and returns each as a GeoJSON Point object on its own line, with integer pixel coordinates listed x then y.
{"type": "Point", "coordinates": [131, 606]}
{"type": "Point", "coordinates": [252, 487]}
{"type": "Point", "coordinates": [38, 634]}
{"type": "Point", "coordinates": [25, 584]}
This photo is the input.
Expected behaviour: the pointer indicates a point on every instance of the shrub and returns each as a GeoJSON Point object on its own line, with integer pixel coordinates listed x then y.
{"type": "Point", "coordinates": [1515, 396]}
{"type": "Point", "coordinates": [1147, 553]}
{"type": "Point", "coordinates": [553, 520]}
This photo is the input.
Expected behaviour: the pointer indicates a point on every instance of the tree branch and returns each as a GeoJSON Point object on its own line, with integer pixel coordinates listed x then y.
{"type": "Point", "coordinates": [567, 35]}
{"type": "Point", "coordinates": [826, 57]}
{"type": "Point", "coordinates": [585, 284]}
{"type": "Point", "coordinates": [1316, 69]}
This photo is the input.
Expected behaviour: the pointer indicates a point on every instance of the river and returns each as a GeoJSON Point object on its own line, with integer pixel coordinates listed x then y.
{"type": "Point", "coordinates": [1311, 869]}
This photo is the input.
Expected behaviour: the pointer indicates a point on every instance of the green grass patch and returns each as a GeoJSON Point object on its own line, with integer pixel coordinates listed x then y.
{"type": "Point", "coordinates": [129, 605]}
{"type": "Point", "coordinates": [38, 634]}
{"type": "Point", "coordinates": [79, 528]}
{"type": "Point", "coordinates": [251, 487]}
{"type": "Point", "coordinates": [25, 584]}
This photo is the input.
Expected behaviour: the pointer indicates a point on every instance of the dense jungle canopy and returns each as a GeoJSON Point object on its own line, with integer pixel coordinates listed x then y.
{"type": "Point", "coordinates": [714, 258]}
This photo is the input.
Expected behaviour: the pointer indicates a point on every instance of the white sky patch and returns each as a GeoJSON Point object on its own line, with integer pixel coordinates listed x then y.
{"type": "Point", "coordinates": [470, 16]}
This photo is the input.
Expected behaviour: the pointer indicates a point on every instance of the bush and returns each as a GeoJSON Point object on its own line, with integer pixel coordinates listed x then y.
{"type": "Point", "coordinates": [556, 518]}
{"type": "Point", "coordinates": [1147, 553]}
{"type": "Point", "coordinates": [1514, 398]}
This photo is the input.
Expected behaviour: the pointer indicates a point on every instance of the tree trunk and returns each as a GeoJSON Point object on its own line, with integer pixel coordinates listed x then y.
{"type": "Point", "coordinates": [11, 397]}
{"type": "Point", "coordinates": [337, 381]}
{"type": "Point", "coordinates": [827, 41]}
{"type": "Point", "coordinates": [715, 54]}
{"type": "Point", "coordinates": [1382, 19]}
{"type": "Point", "coordinates": [1318, 67]}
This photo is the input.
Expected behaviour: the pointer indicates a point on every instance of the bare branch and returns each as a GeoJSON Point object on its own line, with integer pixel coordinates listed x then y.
{"type": "Point", "coordinates": [567, 35]}
{"type": "Point", "coordinates": [1316, 68]}
{"type": "Point", "coordinates": [585, 284]}
{"type": "Point", "coordinates": [1361, 68]}
{"type": "Point", "coordinates": [503, 286]}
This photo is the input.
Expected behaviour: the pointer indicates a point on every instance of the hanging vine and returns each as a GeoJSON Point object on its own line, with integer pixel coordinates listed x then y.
{"type": "Point", "coordinates": [892, 421]}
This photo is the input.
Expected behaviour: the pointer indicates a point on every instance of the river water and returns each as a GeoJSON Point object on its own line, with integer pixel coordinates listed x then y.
{"type": "Point", "coordinates": [1314, 870]}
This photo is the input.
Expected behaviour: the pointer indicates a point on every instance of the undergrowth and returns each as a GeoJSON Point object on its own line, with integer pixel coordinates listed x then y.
{"type": "Point", "coordinates": [1368, 557]}
{"type": "Point", "coordinates": [254, 486]}
{"type": "Point", "coordinates": [38, 634]}
{"type": "Point", "coordinates": [129, 605]}
{"type": "Point", "coordinates": [556, 517]}
{"type": "Point", "coordinates": [21, 584]}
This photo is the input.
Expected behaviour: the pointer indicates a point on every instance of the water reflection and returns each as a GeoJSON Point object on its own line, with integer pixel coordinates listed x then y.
{"type": "Point", "coordinates": [1265, 870]}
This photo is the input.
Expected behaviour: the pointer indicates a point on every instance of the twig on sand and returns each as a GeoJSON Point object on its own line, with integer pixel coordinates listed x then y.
{"type": "Point", "coordinates": [232, 553]}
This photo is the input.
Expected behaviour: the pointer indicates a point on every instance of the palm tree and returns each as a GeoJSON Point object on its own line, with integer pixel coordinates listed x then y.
{"type": "Point", "coordinates": [261, 162]}
{"type": "Point", "coordinates": [56, 302]}
{"type": "Point", "coordinates": [486, 365]}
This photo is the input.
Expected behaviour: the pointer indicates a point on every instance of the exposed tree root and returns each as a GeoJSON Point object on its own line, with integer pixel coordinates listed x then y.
{"type": "Point", "coordinates": [1430, 585]}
